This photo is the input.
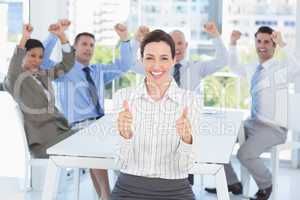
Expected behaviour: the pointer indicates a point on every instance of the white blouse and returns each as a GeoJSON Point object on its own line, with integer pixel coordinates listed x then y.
{"type": "Point", "coordinates": [156, 150]}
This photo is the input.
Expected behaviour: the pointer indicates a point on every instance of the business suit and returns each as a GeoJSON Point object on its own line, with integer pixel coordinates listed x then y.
{"type": "Point", "coordinates": [1, 87]}
{"type": "Point", "coordinates": [44, 124]}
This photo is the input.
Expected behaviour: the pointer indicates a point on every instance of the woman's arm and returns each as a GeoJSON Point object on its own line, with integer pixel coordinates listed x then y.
{"type": "Point", "coordinates": [124, 125]}
{"type": "Point", "coordinates": [15, 66]}
{"type": "Point", "coordinates": [187, 127]}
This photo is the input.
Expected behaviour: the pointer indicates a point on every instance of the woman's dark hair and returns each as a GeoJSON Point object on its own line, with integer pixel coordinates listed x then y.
{"type": "Point", "coordinates": [33, 43]}
{"type": "Point", "coordinates": [158, 36]}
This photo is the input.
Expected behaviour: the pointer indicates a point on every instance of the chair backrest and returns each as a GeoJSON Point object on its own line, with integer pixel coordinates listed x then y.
{"type": "Point", "coordinates": [294, 112]}
{"type": "Point", "coordinates": [20, 124]}
{"type": "Point", "coordinates": [13, 139]}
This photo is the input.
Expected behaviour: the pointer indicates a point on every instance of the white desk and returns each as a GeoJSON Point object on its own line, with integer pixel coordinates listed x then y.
{"type": "Point", "coordinates": [89, 150]}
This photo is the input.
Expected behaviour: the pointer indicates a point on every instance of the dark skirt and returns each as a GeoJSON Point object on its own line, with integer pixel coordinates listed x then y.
{"type": "Point", "coordinates": [130, 187]}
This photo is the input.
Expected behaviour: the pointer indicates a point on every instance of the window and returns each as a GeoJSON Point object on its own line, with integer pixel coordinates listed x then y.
{"type": "Point", "coordinates": [12, 15]}
{"type": "Point", "coordinates": [168, 15]}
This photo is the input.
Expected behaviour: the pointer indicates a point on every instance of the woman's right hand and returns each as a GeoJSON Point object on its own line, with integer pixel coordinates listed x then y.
{"type": "Point", "coordinates": [27, 30]}
{"type": "Point", "coordinates": [125, 122]}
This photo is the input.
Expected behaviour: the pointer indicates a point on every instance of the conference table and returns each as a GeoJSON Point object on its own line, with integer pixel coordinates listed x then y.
{"type": "Point", "coordinates": [96, 146]}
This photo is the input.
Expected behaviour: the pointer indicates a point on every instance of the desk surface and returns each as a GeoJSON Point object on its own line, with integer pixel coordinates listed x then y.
{"type": "Point", "coordinates": [100, 139]}
{"type": "Point", "coordinates": [97, 140]}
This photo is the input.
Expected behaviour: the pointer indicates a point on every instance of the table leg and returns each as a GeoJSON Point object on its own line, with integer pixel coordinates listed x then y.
{"type": "Point", "coordinates": [221, 182]}
{"type": "Point", "coordinates": [77, 182]}
{"type": "Point", "coordinates": [51, 181]}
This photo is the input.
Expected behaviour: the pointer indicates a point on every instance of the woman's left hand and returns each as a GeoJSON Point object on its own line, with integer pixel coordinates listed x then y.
{"type": "Point", "coordinates": [183, 127]}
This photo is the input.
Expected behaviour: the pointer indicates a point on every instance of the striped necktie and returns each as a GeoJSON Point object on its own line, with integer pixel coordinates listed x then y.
{"type": "Point", "coordinates": [93, 91]}
{"type": "Point", "coordinates": [254, 81]}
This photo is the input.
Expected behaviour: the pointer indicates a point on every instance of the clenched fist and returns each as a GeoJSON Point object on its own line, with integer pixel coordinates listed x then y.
{"type": "Point", "coordinates": [122, 31]}
{"type": "Point", "coordinates": [141, 33]}
{"type": "Point", "coordinates": [277, 38]}
{"type": "Point", "coordinates": [27, 30]}
{"type": "Point", "coordinates": [234, 37]}
{"type": "Point", "coordinates": [65, 23]}
{"type": "Point", "coordinates": [211, 29]}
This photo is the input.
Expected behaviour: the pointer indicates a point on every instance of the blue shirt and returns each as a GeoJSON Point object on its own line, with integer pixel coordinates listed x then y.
{"type": "Point", "coordinates": [72, 89]}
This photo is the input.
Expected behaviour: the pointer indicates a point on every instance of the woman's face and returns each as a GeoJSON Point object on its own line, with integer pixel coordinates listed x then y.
{"type": "Point", "coordinates": [33, 59]}
{"type": "Point", "coordinates": [158, 61]}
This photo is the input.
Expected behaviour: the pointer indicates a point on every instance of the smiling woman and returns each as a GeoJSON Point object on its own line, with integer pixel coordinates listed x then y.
{"type": "Point", "coordinates": [156, 123]}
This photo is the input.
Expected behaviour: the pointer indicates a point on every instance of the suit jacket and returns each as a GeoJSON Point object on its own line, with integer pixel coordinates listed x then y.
{"type": "Point", "coordinates": [42, 120]}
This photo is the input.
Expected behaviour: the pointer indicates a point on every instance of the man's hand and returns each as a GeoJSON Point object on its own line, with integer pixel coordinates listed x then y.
{"type": "Point", "coordinates": [58, 30]}
{"type": "Point", "coordinates": [65, 23]}
{"type": "Point", "coordinates": [211, 29]}
{"type": "Point", "coordinates": [277, 39]}
{"type": "Point", "coordinates": [125, 122]}
{"type": "Point", "coordinates": [141, 33]}
{"type": "Point", "coordinates": [121, 30]}
{"type": "Point", "coordinates": [183, 127]}
{"type": "Point", "coordinates": [234, 37]}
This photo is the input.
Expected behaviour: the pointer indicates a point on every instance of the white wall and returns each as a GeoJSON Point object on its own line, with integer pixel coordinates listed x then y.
{"type": "Point", "coordinates": [45, 12]}
{"type": "Point", "coordinates": [297, 82]}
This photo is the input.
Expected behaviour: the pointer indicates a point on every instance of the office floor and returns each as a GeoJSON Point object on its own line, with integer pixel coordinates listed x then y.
{"type": "Point", "coordinates": [289, 180]}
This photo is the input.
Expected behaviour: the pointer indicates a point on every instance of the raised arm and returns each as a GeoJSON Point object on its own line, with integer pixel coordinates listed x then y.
{"type": "Point", "coordinates": [293, 66]}
{"type": "Point", "coordinates": [15, 66]}
{"type": "Point", "coordinates": [122, 64]}
{"type": "Point", "coordinates": [124, 127]}
{"type": "Point", "coordinates": [221, 58]}
{"type": "Point", "coordinates": [50, 43]}
{"type": "Point", "coordinates": [187, 127]}
{"type": "Point", "coordinates": [137, 65]}
{"type": "Point", "coordinates": [68, 52]}
{"type": "Point", "coordinates": [233, 61]}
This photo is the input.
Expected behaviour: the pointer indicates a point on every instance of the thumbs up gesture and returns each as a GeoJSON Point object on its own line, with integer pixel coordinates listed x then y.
{"type": "Point", "coordinates": [183, 127]}
{"type": "Point", "coordinates": [125, 122]}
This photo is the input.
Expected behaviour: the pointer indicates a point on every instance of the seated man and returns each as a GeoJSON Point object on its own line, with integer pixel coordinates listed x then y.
{"type": "Point", "coordinates": [31, 88]}
{"type": "Point", "coordinates": [81, 91]}
{"type": "Point", "coordinates": [267, 125]}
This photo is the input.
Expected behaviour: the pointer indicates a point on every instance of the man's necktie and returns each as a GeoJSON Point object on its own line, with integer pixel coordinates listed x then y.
{"type": "Point", "coordinates": [254, 81]}
{"type": "Point", "coordinates": [176, 73]}
{"type": "Point", "coordinates": [93, 91]}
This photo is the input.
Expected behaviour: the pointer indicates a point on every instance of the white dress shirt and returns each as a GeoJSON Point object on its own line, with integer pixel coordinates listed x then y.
{"type": "Point", "coordinates": [272, 88]}
{"type": "Point", "coordinates": [192, 72]}
{"type": "Point", "coordinates": [156, 150]}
